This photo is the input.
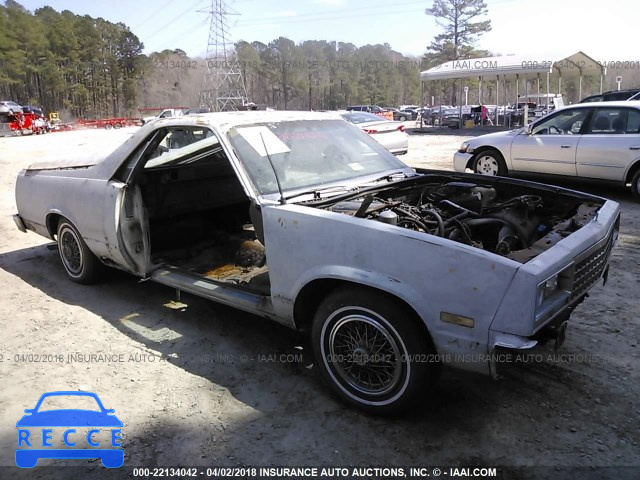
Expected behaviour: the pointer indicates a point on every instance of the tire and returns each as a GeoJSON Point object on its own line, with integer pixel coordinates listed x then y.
{"type": "Point", "coordinates": [401, 344]}
{"type": "Point", "coordinates": [108, 126]}
{"type": "Point", "coordinates": [489, 162]}
{"type": "Point", "coordinates": [635, 185]}
{"type": "Point", "coordinates": [117, 125]}
{"type": "Point", "coordinates": [403, 119]}
{"type": "Point", "coordinates": [79, 262]}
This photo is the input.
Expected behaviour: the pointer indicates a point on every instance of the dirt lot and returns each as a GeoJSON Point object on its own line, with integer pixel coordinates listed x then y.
{"type": "Point", "coordinates": [208, 385]}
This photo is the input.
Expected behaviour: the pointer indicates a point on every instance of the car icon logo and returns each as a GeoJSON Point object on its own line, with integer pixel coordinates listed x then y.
{"type": "Point", "coordinates": [38, 419]}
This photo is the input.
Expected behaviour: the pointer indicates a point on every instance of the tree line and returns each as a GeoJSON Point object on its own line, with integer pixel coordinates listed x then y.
{"type": "Point", "coordinates": [63, 61]}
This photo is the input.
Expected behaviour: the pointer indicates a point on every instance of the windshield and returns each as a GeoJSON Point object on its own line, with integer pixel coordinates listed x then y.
{"type": "Point", "coordinates": [308, 153]}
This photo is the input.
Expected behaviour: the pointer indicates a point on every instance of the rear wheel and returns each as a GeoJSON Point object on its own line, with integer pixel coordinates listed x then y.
{"type": "Point", "coordinates": [79, 262]}
{"type": "Point", "coordinates": [635, 185]}
{"type": "Point", "coordinates": [489, 162]}
{"type": "Point", "coordinates": [372, 351]}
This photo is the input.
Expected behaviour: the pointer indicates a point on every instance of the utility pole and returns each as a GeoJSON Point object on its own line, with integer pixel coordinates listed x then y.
{"type": "Point", "coordinates": [223, 87]}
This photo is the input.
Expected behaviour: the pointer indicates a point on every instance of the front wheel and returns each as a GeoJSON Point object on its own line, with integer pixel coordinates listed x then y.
{"type": "Point", "coordinates": [79, 262]}
{"type": "Point", "coordinates": [635, 185]}
{"type": "Point", "coordinates": [374, 353]}
{"type": "Point", "coordinates": [489, 162]}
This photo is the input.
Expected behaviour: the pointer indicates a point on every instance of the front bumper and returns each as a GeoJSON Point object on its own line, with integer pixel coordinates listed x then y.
{"type": "Point", "coordinates": [460, 161]}
{"type": "Point", "coordinates": [550, 323]}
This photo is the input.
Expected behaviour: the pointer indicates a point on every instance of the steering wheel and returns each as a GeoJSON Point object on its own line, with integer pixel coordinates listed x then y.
{"type": "Point", "coordinates": [554, 129]}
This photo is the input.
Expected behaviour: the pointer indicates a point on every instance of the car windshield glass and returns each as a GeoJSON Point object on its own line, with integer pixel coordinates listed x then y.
{"type": "Point", "coordinates": [362, 117]}
{"type": "Point", "coordinates": [308, 153]}
{"type": "Point", "coordinates": [66, 402]}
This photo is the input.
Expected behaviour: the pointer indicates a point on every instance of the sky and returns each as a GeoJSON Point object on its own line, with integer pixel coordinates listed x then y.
{"type": "Point", "coordinates": [545, 29]}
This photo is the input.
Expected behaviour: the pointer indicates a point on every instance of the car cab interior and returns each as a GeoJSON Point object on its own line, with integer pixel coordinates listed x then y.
{"type": "Point", "coordinates": [196, 210]}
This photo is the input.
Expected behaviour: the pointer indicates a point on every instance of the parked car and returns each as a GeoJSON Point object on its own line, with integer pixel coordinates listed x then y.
{"type": "Point", "coordinates": [366, 108]}
{"type": "Point", "coordinates": [302, 218]}
{"type": "Point", "coordinates": [196, 110]}
{"type": "Point", "coordinates": [9, 107]}
{"type": "Point", "coordinates": [406, 114]}
{"type": "Point", "coordinates": [388, 133]}
{"type": "Point", "coordinates": [33, 109]}
{"type": "Point", "coordinates": [450, 118]}
{"type": "Point", "coordinates": [613, 95]}
{"type": "Point", "coordinates": [587, 140]}
{"type": "Point", "coordinates": [431, 116]}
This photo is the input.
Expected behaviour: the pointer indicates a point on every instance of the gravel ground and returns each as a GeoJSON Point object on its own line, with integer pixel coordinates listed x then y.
{"type": "Point", "coordinates": [206, 385]}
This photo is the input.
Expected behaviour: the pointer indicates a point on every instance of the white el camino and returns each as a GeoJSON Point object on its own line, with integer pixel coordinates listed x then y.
{"type": "Point", "coordinates": [599, 141]}
{"type": "Point", "coordinates": [302, 218]}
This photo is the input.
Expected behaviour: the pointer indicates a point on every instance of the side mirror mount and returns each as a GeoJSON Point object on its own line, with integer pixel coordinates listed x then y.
{"type": "Point", "coordinates": [28, 410]}
{"type": "Point", "coordinates": [528, 130]}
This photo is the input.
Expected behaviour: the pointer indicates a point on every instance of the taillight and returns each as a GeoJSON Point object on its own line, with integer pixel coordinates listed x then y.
{"type": "Point", "coordinates": [401, 128]}
{"type": "Point", "coordinates": [370, 131]}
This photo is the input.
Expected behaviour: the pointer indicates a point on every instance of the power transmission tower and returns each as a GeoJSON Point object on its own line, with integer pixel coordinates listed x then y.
{"type": "Point", "coordinates": [223, 87]}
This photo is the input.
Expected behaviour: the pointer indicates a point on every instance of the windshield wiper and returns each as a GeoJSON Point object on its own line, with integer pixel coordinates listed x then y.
{"type": "Point", "coordinates": [316, 192]}
{"type": "Point", "coordinates": [390, 177]}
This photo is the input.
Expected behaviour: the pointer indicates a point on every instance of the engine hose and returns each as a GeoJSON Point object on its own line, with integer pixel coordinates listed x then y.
{"type": "Point", "coordinates": [460, 216]}
{"type": "Point", "coordinates": [413, 218]}
{"type": "Point", "coordinates": [458, 207]}
{"type": "Point", "coordinates": [438, 218]}
{"type": "Point", "coordinates": [481, 222]}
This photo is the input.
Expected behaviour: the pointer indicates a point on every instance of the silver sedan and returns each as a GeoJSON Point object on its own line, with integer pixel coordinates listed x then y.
{"type": "Point", "coordinates": [592, 140]}
{"type": "Point", "coordinates": [389, 134]}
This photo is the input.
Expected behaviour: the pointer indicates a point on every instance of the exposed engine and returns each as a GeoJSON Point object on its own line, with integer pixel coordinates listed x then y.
{"type": "Point", "coordinates": [484, 216]}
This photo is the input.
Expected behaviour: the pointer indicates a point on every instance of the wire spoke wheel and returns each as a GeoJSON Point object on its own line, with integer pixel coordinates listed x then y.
{"type": "Point", "coordinates": [70, 251]}
{"type": "Point", "coordinates": [78, 260]}
{"type": "Point", "coordinates": [366, 343]}
{"type": "Point", "coordinates": [365, 354]}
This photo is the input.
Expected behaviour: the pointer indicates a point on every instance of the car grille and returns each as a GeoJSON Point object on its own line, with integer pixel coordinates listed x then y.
{"type": "Point", "coordinates": [590, 267]}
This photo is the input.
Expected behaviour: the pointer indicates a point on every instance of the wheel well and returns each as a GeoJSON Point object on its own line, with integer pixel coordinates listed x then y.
{"type": "Point", "coordinates": [53, 219]}
{"type": "Point", "coordinates": [632, 171]}
{"type": "Point", "coordinates": [313, 293]}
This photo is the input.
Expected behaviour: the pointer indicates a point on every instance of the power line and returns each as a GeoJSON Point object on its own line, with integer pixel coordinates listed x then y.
{"type": "Point", "coordinates": [161, 29]}
{"type": "Point", "coordinates": [158, 10]}
{"type": "Point", "coordinates": [327, 15]}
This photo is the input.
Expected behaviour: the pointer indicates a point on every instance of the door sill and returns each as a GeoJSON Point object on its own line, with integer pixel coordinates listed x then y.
{"type": "Point", "coordinates": [237, 296]}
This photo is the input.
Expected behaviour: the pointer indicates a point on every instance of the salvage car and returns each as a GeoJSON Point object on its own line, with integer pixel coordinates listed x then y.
{"type": "Point", "coordinates": [598, 141]}
{"type": "Point", "coordinates": [302, 218]}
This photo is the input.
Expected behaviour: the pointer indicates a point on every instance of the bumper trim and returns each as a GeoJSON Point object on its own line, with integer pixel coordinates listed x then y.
{"type": "Point", "coordinates": [19, 223]}
{"type": "Point", "coordinates": [506, 340]}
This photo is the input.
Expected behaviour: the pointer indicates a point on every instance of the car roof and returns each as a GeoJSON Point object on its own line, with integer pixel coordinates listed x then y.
{"type": "Point", "coordinates": [220, 121]}
{"type": "Point", "coordinates": [227, 120]}
{"type": "Point", "coordinates": [615, 103]}
{"type": "Point", "coordinates": [625, 90]}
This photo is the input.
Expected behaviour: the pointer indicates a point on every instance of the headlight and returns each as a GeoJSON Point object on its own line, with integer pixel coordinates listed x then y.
{"type": "Point", "coordinates": [465, 148]}
{"type": "Point", "coordinates": [546, 289]}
